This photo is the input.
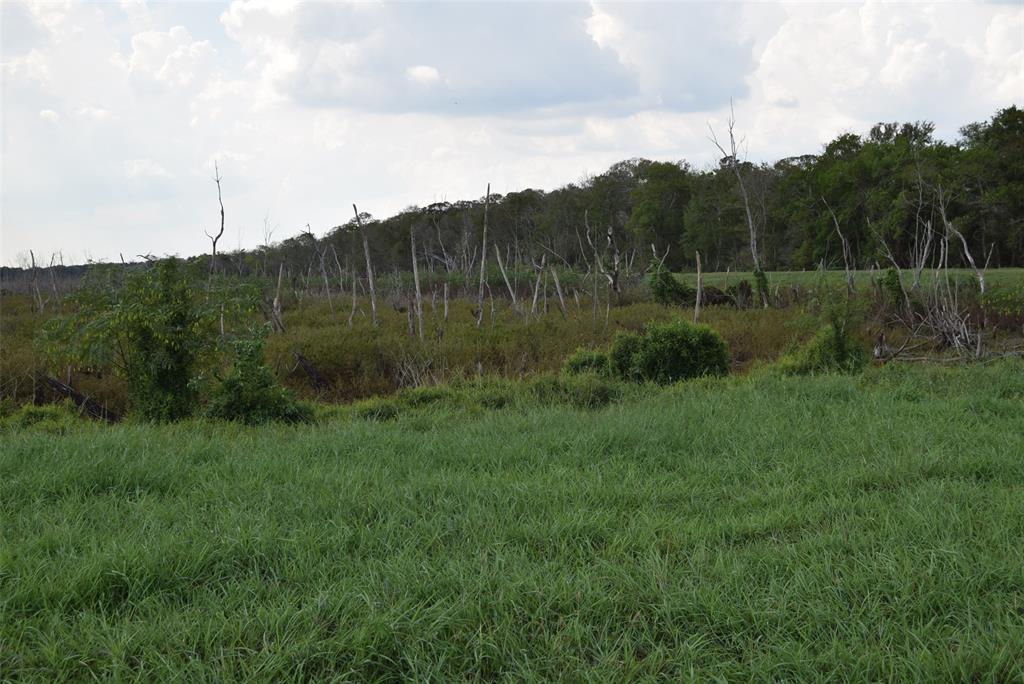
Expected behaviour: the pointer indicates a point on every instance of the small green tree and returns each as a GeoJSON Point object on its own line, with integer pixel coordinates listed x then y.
{"type": "Point", "coordinates": [250, 393]}
{"type": "Point", "coordinates": [152, 325]}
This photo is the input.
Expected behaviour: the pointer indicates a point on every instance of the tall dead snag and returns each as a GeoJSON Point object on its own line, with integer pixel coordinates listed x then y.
{"type": "Point", "coordinates": [215, 238]}
{"type": "Point", "coordinates": [36, 294]}
{"type": "Point", "coordinates": [611, 273]}
{"type": "Point", "coordinates": [847, 252]}
{"type": "Point", "coordinates": [700, 292]}
{"type": "Point", "coordinates": [536, 286]}
{"type": "Point", "coordinates": [416, 281]}
{"type": "Point", "coordinates": [369, 267]}
{"type": "Point", "coordinates": [483, 261]}
{"type": "Point", "coordinates": [508, 283]}
{"type": "Point", "coordinates": [276, 321]}
{"type": "Point", "coordinates": [731, 158]}
{"type": "Point", "coordinates": [558, 289]}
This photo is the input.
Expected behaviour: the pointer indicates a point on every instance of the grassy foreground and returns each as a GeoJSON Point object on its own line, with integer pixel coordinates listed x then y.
{"type": "Point", "coordinates": [866, 528]}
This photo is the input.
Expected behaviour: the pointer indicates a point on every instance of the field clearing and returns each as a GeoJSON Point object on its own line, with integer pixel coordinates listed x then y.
{"type": "Point", "coordinates": [857, 528]}
{"type": "Point", "coordinates": [998, 277]}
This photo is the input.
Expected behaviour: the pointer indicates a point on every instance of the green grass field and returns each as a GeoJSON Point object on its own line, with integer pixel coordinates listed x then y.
{"type": "Point", "coordinates": [1011, 278]}
{"type": "Point", "coordinates": [761, 528]}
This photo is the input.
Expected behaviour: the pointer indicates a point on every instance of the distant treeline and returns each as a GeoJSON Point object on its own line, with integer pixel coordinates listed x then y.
{"type": "Point", "coordinates": [883, 188]}
{"type": "Point", "coordinates": [883, 191]}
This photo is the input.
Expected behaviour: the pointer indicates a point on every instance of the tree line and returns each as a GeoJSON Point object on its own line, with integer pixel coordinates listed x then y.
{"type": "Point", "coordinates": [879, 192]}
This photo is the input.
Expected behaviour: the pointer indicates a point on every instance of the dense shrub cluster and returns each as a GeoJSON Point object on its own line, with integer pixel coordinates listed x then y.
{"type": "Point", "coordinates": [678, 351]}
{"type": "Point", "coordinates": [664, 354]}
{"type": "Point", "coordinates": [587, 361]}
{"type": "Point", "coordinates": [831, 350]}
{"type": "Point", "coordinates": [251, 394]}
{"type": "Point", "coordinates": [668, 290]}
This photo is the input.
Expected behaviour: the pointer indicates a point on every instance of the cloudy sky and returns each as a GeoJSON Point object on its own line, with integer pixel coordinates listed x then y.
{"type": "Point", "coordinates": [114, 113]}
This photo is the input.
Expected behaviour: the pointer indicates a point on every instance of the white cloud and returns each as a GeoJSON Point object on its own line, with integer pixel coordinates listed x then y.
{"type": "Point", "coordinates": [309, 107]}
{"type": "Point", "coordinates": [423, 74]}
{"type": "Point", "coordinates": [170, 57]}
{"type": "Point", "coordinates": [144, 168]}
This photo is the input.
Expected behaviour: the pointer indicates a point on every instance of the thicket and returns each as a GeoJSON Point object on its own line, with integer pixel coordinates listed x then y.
{"type": "Point", "coordinates": [162, 330]}
{"type": "Point", "coordinates": [250, 393]}
{"type": "Point", "coordinates": [668, 290]}
{"type": "Point", "coordinates": [664, 353]}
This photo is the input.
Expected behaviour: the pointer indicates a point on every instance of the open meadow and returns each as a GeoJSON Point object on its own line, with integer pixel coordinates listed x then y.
{"type": "Point", "coordinates": [859, 528]}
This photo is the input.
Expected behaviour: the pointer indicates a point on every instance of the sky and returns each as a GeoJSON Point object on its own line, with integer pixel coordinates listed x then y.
{"type": "Point", "coordinates": [114, 113]}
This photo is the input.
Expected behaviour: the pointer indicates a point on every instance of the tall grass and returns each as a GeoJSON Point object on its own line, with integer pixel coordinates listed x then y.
{"type": "Point", "coordinates": [764, 528]}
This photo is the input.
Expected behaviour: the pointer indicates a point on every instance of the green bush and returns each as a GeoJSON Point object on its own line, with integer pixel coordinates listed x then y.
{"type": "Point", "coordinates": [678, 351]}
{"type": "Point", "coordinates": [624, 347]}
{"type": "Point", "coordinates": [890, 285]}
{"type": "Point", "coordinates": [251, 394]}
{"type": "Point", "coordinates": [587, 361]}
{"type": "Point", "coordinates": [831, 350]}
{"type": "Point", "coordinates": [156, 329]}
{"type": "Point", "coordinates": [669, 290]}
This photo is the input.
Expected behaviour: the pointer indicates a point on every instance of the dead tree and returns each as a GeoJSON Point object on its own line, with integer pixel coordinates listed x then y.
{"type": "Point", "coordinates": [558, 289]}
{"type": "Point", "coordinates": [536, 286]}
{"type": "Point", "coordinates": [276, 320]}
{"type": "Point", "coordinates": [610, 273]}
{"type": "Point", "coordinates": [731, 158]}
{"type": "Point", "coordinates": [416, 281]}
{"type": "Point", "coordinates": [700, 292]}
{"type": "Point", "coordinates": [86, 405]}
{"type": "Point", "coordinates": [215, 238]}
{"type": "Point", "coordinates": [36, 294]}
{"type": "Point", "coordinates": [483, 261]}
{"type": "Point", "coordinates": [504, 275]}
{"type": "Point", "coordinates": [369, 267]}
{"type": "Point", "coordinates": [847, 252]}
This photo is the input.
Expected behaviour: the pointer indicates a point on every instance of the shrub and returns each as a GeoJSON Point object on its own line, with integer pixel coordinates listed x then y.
{"type": "Point", "coordinates": [624, 347]}
{"type": "Point", "coordinates": [156, 330]}
{"type": "Point", "coordinates": [677, 351]}
{"type": "Point", "coordinates": [251, 394]}
{"type": "Point", "coordinates": [831, 350]}
{"type": "Point", "coordinates": [587, 361]}
{"type": "Point", "coordinates": [891, 285]}
{"type": "Point", "coordinates": [669, 290]}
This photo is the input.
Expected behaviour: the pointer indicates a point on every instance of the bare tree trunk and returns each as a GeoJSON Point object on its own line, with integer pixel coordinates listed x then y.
{"type": "Point", "coordinates": [276, 320]}
{"type": "Point", "coordinates": [483, 261]}
{"type": "Point", "coordinates": [700, 292]}
{"type": "Point", "coordinates": [214, 238]}
{"type": "Point", "coordinates": [558, 289]}
{"type": "Point", "coordinates": [847, 254]}
{"type": "Point", "coordinates": [369, 267]}
{"type": "Point", "coordinates": [446, 301]}
{"type": "Point", "coordinates": [536, 285]}
{"type": "Point", "coordinates": [416, 282]}
{"type": "Point", "coordinates": [355, 289]}
{"type": "Point", "coordinates": [35, 282]}
{"type": "Point", "coordinates": [734, 163]}
{"type": "Point", "coordinates": [327, 283]}
{"type": "Point", "coordinates": [504, 275]}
